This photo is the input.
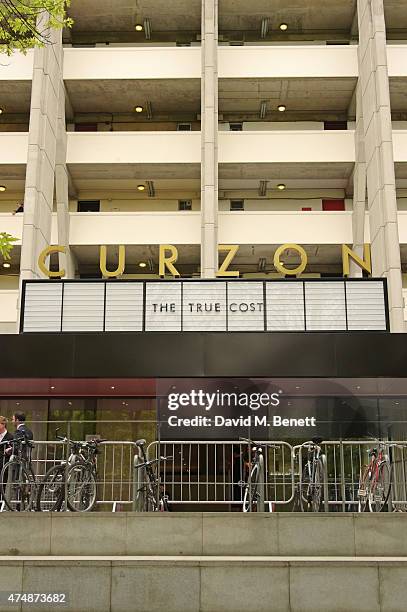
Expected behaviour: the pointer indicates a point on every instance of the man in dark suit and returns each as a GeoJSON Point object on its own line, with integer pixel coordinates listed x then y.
{"type": "Point", "coordinates": [5, 436]}
{"type": "Point", "coordinates": [22, 431]}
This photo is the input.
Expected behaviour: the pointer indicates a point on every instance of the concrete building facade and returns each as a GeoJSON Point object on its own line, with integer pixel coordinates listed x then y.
{"type": "Point", "coordinates": [208, 125]}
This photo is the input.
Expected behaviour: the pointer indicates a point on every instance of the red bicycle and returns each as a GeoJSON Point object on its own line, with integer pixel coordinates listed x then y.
{"type": "Point", "coordinates": [375, 480]}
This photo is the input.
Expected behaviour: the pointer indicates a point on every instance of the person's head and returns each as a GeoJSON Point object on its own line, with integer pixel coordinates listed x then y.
{"type": "Point", "coordinates": [3, 424]}
{"type": "Point", "coordinates": [18, 418]}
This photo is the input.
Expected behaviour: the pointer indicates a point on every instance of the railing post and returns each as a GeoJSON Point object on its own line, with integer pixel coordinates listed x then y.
{"type": "Point", "coordinates": [343, 487]}
{"type": "Point", "coordinates": [325, 482]}
{"type": "Point", "coordinates": [68, 436]}
{"type": "Point", "coordinates": [261, 483]}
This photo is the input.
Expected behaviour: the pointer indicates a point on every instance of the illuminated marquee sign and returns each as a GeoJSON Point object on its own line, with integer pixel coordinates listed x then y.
{"type": "Point", "coordinates": [204, 306]}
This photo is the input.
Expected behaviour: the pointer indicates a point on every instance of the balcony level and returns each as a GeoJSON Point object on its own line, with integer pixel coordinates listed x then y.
{"type": "Point", "coordinates": [162, 62]}
{"type": "Point", "coordinates": [250, 227]}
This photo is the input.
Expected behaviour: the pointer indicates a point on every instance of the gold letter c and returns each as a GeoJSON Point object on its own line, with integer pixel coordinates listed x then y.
{"type": "Point", "coordinates": [42, 257]}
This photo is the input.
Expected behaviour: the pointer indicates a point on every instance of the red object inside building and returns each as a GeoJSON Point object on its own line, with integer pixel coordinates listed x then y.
{"type": "Point", "coordinates": [333, 204]}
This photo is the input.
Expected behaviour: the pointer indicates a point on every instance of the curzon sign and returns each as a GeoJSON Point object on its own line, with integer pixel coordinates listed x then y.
{"type": "Point", "coordinates": [168, 257]}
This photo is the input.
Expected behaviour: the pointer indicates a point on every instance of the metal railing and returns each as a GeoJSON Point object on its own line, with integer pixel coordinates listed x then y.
{"type": "Point", "coordinates": [115, 469]}
{"type": "Point", "coordinates": [210, 472]}
{"type": "Point", "coordinates": [213, 474]}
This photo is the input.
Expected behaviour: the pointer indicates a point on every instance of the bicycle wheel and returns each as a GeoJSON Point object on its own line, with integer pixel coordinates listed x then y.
{"type": "Point", "coordinates": [311, 487]}
{"type": "Point", "coordinates": [81, 488]}
{"type": "Point", "coordinates": [380, 488]}
{"type": "Point", "coordinates": [363, 489]}
{"type": "Point", "coordinates": [18, 487]}
{"type": "Point", "coordinates": [317, 487]}
{"type": "Point", "coordinates": [51, 490]}
{"type": "Point", "coordinates": [251, 491]}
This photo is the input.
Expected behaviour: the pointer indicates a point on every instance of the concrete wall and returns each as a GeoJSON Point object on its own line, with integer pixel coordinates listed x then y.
{"type": "Point", "coordinates": [153, 62]}
{"type": "Point", "coordinates": [288, 62]}
{"type": "Point", "coordinates": [208, 562]}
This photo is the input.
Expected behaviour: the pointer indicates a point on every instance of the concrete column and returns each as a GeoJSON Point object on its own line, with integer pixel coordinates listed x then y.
{"type": "Point", "coordinates": [66, 260]}
{"type": "Point", "coordinates": [359, 187]}
{"type": "Point", "coordinates": [381, 186]}
{"type": "Point", "coordinates": [209, 142]}
{"type": "Point", "coordinates": [39, 184]}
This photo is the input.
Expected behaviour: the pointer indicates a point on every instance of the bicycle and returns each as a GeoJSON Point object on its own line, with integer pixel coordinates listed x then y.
{"type": "Point", "coordinates": [77, 477]}
{"type": "Point", "coordinates": [313, 477]}
{"type": "Point", "coordinates": [254, 487]}
{"type": "Point", "coordinates": [152, 494]}
{"type": "Point", "coordinates": [18, 485]}
{"type": "Point", "coordinates": [375, 479]}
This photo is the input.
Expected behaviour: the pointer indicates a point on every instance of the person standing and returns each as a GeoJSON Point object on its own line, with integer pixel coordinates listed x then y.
{"type": "Point", "coordinates": [5, 436]}
{"type": "Point", "coordinates": [22, 431]}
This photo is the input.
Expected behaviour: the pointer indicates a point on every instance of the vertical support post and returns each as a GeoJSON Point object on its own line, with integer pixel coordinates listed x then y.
{"type": "Point", "coordinates": [381, 184]}
{"type": "Point", "coordinates": [40, 172]}
{"type": "Point", "coordinates": [359, 188]}
{"type": "Point", "coordinates": [66, 260]}
{"type": "Point", "coordinates": [209, 140]}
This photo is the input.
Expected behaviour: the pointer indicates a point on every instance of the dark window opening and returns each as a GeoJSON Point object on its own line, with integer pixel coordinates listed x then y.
{"type": "Point", "coordinates": [88, 205]}
{"type": "Point", "coordinates": [184, 127]}
{"type": "Point", "coordinates": [184, 204]}
{"type": "Point", "coordinates": [236, 204]}
{"type": "Point", "coordinates": [335, 125]}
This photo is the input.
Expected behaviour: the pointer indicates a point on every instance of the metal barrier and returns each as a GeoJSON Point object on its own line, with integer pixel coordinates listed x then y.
{"type": "Point", "coordinates": [214, 473]}
{"type": "Point", "coordinates": [115, 466]}
{"type": "Point", "coordinates": [210, 472]}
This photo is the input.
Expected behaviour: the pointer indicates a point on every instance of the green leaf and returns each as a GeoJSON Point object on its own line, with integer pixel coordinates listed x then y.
{"type": "Point", "coordinates": [18, 23]}
{"type": "Point", "coordinates": [6, 244]}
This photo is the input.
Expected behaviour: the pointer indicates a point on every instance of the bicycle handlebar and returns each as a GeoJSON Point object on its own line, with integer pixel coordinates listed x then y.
{"type": "Point", "coordinates": [82, 444]}
{"type": "Point", "coordinates": [152, 461]}
{"type": "Point", "coordinates": [253, 443]}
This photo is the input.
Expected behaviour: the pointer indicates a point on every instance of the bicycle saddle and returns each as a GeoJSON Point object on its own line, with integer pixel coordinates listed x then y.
{"type": "Point", "coordinates": [140, 442]}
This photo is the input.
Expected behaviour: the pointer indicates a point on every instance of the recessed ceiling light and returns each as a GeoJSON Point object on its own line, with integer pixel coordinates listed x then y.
{"type": "Point", "coordinates": [3, 188]}
{"type": "Point", "coordinates": [138, 109]}
{"type": "Point", "coordinates": [142, 264]}
{"type": "Point", "coordinates": [139, 27]}
{"type": "Point", "coordinates": [6, 264]}
{"type": "Point", "coordinates": [281, 186]}
{"type": "Point", "coordinates": [17, 403]}
{"type": "Point", "coordinates": [1, 110]}
{"type": "Point", "coordinates": [52, 387]}
{"type": "Point", "coordinates": [281, 108]}
{"type": "Point", "coordinates": [113, 388]}
{"type": "Point", "coordinates": [283, 27]}
{"type": "Point", "coordinates": [69, 403]}
{"type": "Point", "coordinates": [141, 187]}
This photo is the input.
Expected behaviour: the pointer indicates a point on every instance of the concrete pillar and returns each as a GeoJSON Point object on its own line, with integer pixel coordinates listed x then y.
{"type": "Point", "coordinates": [39, 185]}
{"type": "Point", "coordinates": [359, 187]}
{"type": "Point", "coordinates": [381, 186]}
{"type": "Point", "coordinates": [66, 260]}
{"type": "Point", "coordinates": [209, 142]}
